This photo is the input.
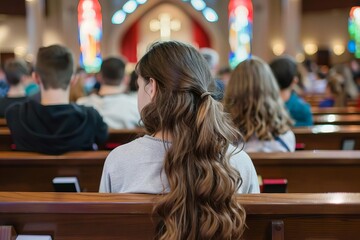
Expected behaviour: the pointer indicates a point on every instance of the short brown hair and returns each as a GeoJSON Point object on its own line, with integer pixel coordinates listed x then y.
{"type": "Point", "coordinates": [55, 66]}
{"type": "Point", "coordinates": [113, 70]}
{"type": "Point", "coordinates": [14, 70]}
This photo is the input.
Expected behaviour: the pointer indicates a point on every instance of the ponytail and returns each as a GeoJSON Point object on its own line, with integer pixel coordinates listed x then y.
{"type": "Point", "coordinates": [201, 203]}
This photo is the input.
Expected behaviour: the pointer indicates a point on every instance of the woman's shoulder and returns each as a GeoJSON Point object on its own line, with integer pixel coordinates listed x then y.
{"type": "Point", "coordinates": [239, 158]}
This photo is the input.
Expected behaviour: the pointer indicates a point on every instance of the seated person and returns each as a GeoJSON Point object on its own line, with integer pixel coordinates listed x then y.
{"type": "Point", "coordinates": [187, 153]}
{"type": "Point", "coordinates": [15, 72]}
{"type": "Point", "coordinates": [54, 126]}
{"type": "Point", "coordinates": [285, 72]}
{"type": "Point", "coordinates": [118, 109]}
{"type": "Point", "coordinates": [334, 95]}
{"type": "Point", "coordinates": [253, 100]}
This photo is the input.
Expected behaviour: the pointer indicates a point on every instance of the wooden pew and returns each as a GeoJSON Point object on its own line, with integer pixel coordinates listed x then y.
{"type": "Point", "coordinates": [325, 171]}
{"type": "Point", "coordinates": [116, 137]}
{"type": "Point", "coordinates": [2, 122]}
{"type": "Point", "coordinates": [335, 110]}
{"type": "Point", "coordinates": [33, 172]}
{"type": "Point", "coordinates": [311, 171]}
{"type": "Point", "coordinates": [322, 137]}
{"type": "Point", "coordinates": [329, 137]}
{"type": "Point", "coordinates": [93, 216]}
{"type": "Point", "coordinates": [337, 119]}
{"type": "Point", "coordinates": [315, 99]}
{"type": "Point", "coordinates": [5, 139]}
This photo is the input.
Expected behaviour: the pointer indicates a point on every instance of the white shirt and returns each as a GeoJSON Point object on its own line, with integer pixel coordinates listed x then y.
{"type": "Point", "coordinates": [119, 111]}
{"type": "Point", "coordinates": [255, 145]}
{"type": "Point", "coordinates": [136, 167]}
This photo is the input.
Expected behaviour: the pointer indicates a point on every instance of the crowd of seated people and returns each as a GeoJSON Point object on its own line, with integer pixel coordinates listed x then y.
{"type": "Point", "coordinates": [194, 149]}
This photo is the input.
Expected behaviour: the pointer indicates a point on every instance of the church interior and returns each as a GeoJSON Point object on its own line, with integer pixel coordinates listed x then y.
{"type": "Point", "coordinates": [179, 119]}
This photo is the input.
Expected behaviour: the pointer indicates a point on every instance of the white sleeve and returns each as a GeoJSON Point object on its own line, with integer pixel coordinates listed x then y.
{"type": "Point", "coordinates": [105, 182]}
{"type": "Point", "coordinates": [242, 162]}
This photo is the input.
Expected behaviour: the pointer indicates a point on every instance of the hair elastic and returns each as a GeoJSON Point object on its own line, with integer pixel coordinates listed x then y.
{"type": "Point", "coordinates": [205, 94]}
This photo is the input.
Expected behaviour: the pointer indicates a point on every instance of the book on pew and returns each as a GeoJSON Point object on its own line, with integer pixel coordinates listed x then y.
{"type": "Point", "coordinates": [274, 185]}
{"type": "Point", "coordinates": [66, 184]}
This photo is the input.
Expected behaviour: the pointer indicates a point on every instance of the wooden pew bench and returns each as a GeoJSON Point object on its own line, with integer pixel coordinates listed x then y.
{"type": "Point", "coordinates": [337, 119]}
{"type": "Point", "coordinates": [2, 122]}
{"type": "Point", "coordinates": [33, 172]}
{"type": "Point", "coordinates": [325, 171]}
{"type": "Point", "coordinates": [335, 110]}
{"type": "Point", "coordinates": [311, 171]}
{"type": "Point", "coordinates": [94, 216]}
{"type": "Point", "coordinates": [329, 137]}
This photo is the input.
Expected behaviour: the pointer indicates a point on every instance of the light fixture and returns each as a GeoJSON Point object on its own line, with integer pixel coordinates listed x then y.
{"type": "Point", "coordinates": [338, 49]}
{"type": "Point", "coordinates": [118, 17]}
{"type": "Point", "coordinates": [210, 14]}
{"type": "Point", "coordinates": [310, 48]}
{"type": "Point", "coordinates": [198, 4]}
{"type": "Point", "coordinates": [130, 6]}
{"type": "Point", "coordinates": [278, 48]}
{"type": "Point", "coordinates": [141, 1]}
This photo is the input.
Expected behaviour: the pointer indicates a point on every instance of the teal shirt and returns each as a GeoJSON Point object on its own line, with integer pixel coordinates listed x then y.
{"type": "Point", "coordinates": [300, 111]}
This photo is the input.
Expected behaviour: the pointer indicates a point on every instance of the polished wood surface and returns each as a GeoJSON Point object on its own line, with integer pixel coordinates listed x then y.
{"type": "Point", "coordinates": [327, 137]}
{"type": "Point", "coordinates": [335, 110]}
{"type": "Point", "coordinates": [315, 99]}
{"type": "Point", "coordinates": [311, 171]}
{"type": "Point", "coordinates": [22, 171]}
{"type": "Point", "coordinates": [33, 172]}
{"type": "Point", "coordinates": [323, 137]}
{"type": "Point", "coordinates": [129, 216]}
{"type": "Point", "coordinates": [5, 139]}
{"type": "Point", "coordinates": [2, 122]}
{"type": "Point", "coordinates": [337, 119]}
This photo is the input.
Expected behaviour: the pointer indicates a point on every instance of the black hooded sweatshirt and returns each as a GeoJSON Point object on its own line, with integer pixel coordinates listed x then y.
{"type": "Point", "coordinates": [55, 129]}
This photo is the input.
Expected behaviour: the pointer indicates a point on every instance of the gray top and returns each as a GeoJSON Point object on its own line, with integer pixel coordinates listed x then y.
{"type": "Point", "coordinates": [136, 168]}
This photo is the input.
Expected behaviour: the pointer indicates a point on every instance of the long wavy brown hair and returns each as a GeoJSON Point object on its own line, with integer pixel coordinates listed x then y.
{"type": "Point", "coordinates": [201, 203]}
{"type": "Point", "coordinates": [253, 99]}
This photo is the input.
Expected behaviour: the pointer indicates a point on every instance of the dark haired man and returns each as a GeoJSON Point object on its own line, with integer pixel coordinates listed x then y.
{"type": "Point", "coordinates": [118, 109]}
{"type": "Point", "coordinates": [285, 72]}
{"type": "Point", "coordinates": [16, 72]}
{"type": "Point", "coordinates": [55, 126]}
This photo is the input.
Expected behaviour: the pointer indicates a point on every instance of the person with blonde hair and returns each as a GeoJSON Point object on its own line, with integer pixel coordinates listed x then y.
{"type": "Point", "coordinates": [253, 100]}
{"type": "Point", "coordinates": [187, 155]}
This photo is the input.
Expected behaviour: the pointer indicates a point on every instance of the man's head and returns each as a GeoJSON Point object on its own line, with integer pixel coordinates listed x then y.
{"type": "Point", "coordinates": [54, 66]}
{"type": "Point", "coordinates": [112, 71]}
{"type": "Point", "coordinates": [15, 70]}
{"type": "Point", "coordinates": [285, 71]}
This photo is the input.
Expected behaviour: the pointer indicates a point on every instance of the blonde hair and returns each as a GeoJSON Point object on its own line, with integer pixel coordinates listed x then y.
{"type": "Point", "coordinates": [336, 86]}
{"type": "Point", "coordinates": [253, 99]}
{"type": "Point", "coordinates": [201, 203]}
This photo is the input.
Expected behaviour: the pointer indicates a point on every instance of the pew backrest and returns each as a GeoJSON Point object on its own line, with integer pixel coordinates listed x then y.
{"type": "Point", "coordinates": [311, 171]}
{"type": "Point", "coordinates": [329, 137]}
{"type": "Point", "coordinates": [33, 172]}
{"type": "Point", "coordinates": [67, 216]}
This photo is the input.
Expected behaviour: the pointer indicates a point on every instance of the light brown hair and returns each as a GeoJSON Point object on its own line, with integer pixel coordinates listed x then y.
{"type": "Point", "coordinates": [201, 203]}
{"type": "Point", "coordinates": [253, 99]}
{"type": "Point", "coordinates": [55, 66]}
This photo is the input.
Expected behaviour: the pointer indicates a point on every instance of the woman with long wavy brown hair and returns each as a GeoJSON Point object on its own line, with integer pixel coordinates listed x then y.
{"type": "Point", "coordinates": [187, 154]}
{"type": "Point", "coordinates": [253, 99]}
